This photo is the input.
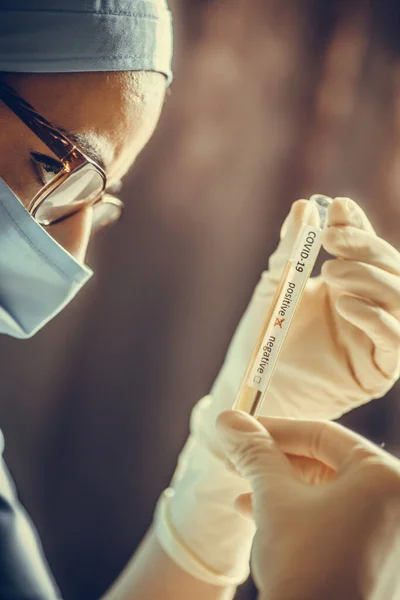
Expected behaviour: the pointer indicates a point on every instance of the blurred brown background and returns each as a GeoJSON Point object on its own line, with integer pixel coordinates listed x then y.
{"type": "Point", "coordinates": [271, 101]}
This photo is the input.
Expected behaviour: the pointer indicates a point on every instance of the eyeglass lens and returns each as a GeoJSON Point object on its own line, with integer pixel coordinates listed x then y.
{"type": "Point", "coordinates": [80, 189]}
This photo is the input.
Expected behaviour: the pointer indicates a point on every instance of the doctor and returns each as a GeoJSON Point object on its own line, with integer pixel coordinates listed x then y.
{"type": "Point", "coordinates": [81, 89]}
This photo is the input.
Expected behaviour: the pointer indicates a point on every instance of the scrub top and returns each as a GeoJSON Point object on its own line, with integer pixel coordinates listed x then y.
{"type": "Point", "coordinates": [24, 574]}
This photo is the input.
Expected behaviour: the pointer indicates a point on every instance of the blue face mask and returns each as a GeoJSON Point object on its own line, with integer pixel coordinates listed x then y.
{"type": "Point", "coordinates": [37, 276]}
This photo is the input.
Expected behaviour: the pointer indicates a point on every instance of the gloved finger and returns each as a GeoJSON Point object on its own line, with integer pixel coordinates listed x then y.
{"type": "Point", "coordinates": [244, 505]}
{"type": "Point", "coordinates": [367, 281]}
{"type": "Point", "coordinates": [302, 211]}
{"type": "Point", "coordinates": [324, 441]}
{"type": "Point", "coordinates": [253, 452]}
{"type": "Point", "coordinates": [344, 211]}
{"type": "Point", "coordinates": [308, 469]}
{"type": "Point", "coordinates": [311, 471]}
{"type": "Point", "coordinates": [381, 327]}
{"type": "Point", "coordinates": [231, 467]}
{"type": "Point", "coordinates": [358, 245]}
{"type": "Point", "coordinates": [295, 215]}
{"type": "Point", "coordinates": [357, 351]}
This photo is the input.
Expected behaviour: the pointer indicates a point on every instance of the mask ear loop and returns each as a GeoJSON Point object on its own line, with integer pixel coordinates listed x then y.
{"type": "Point", "coordinates": [106, 212]}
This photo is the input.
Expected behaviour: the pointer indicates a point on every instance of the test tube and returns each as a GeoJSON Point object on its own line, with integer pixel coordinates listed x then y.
{"type": "Point", "coordinates": [287, 298]}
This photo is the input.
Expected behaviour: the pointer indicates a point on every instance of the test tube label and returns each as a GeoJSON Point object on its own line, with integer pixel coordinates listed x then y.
{"type": "Point", "coordinates": [300, 269]}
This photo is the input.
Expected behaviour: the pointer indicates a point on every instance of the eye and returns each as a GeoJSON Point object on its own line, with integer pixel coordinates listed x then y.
{"type": "Point", "coordinates": [45, 166]}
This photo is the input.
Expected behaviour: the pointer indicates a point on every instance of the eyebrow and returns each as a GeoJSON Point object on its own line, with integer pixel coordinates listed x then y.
{"type": "Point", "coordinates": [92, 152]}
{"type": "Point", "coordinates": [85, 145]}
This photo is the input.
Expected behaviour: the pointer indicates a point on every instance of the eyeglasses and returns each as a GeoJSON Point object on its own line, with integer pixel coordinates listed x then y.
{"type": "Point", "coordinates": [78, 183]}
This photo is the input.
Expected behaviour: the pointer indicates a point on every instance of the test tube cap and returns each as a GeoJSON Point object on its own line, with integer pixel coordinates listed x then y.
{"type": "Point", "coordinates": [323, 203]}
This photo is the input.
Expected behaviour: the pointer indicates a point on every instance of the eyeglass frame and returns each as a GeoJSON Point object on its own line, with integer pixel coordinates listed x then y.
{"type": "Point", "coordinates": [69, 155]}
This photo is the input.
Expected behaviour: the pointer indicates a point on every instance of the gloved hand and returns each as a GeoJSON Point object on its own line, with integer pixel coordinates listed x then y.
{"type": "Point", "coordinates": [343, 347]}
{"type": "Point", "coordinates": [338, 540]}
{"type": "Point", "coordinates": [341, 351]}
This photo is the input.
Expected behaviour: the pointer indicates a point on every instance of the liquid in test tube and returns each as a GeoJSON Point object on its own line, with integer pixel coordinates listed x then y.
{"type": "Point", "coordinates": [288, 295]}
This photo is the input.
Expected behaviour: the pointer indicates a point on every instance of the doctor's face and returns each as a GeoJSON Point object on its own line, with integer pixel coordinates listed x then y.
{"type": "Point", "coordinates": [110, 116]}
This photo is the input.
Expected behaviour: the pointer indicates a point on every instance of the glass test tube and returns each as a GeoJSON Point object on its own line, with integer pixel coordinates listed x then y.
{"type": "Point", "coordinates": [290, 289]}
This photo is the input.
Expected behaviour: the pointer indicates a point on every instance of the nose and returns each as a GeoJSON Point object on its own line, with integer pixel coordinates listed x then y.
{"type": "Point", "coordinates": [73, 233]}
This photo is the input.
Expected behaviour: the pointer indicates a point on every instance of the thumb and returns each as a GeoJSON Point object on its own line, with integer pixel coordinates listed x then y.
{"type": "Point", "coordinates": [301, 213]}
{"type": "Point", "coordinates": [254, 453]}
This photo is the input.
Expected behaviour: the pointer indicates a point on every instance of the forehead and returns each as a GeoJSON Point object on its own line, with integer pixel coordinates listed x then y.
{"type": "Point", "coordinates": [110, 114]}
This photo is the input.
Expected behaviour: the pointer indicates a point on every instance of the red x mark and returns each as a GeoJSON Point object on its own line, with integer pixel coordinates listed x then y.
{"type": "Point", "coordinates": [278, 322]}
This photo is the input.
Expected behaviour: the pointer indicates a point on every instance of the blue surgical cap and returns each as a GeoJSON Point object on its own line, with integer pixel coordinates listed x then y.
{"type": "Point", "coordinates": [55, 36]}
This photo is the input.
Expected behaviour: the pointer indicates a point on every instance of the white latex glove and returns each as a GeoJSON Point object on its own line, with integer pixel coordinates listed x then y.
{"type": "Point", "coordinates": [341, 352]}
{"type": "Point", "coordinates": [330, 541]}
{"type": "Point", "coordinates": [196, 522]}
